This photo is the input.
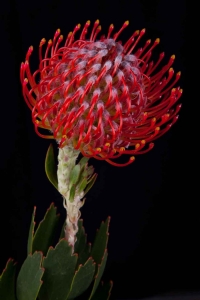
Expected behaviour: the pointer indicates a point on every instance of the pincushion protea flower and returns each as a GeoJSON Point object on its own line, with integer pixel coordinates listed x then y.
{"type": "Point", "coordinates": [100, 97]}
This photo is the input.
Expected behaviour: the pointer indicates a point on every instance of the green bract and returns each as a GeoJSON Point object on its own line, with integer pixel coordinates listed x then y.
{"type": "Point", "coordinates": [81, 178]}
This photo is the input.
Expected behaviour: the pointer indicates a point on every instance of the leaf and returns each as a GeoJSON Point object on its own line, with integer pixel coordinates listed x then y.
{"type": "Point", "coordinates": [84, 254]}
{"type": "Point", "coordinates": [82, 185]}
{"type": "Point", "coordinates": [81, 247]}
{"type": "Point", "coordinates": [74, 175]}
{"type": "Point", "coordinates": [88, 171]}
{"type": "Point", "coordinates": [103, 292]}
{"type": "Point", "coordinates": [59, 271]}
{"type": "Point", "coordinates": [99, 274]}
{"type": "Point", "coordinates": [90, 183]}
{"type": "Point", "coordinates": [81, 238]}
{"type": "Point", "coordinates": [50, 167]}
{"type": "Point", "coordinates": [82, 279]}
{"type": "Point", "coordinates": [44, 234]}
{"type": "Point", "coordinates": [7, 281]}
{"type": "Point", "coordinates": [100, 242]}
{"type": "Point", "coordinates": [29, 278]}
{"type": "Point", "coordinates": [82, 162]}
{"type": "Point", "coordinates": [72, 193]}
{"type": "Point", "coordinates": [83, 167]}
{"type": "Point", "coordinates": [31, 233]}
{"type": "Point", "coordinates": [62, 234]}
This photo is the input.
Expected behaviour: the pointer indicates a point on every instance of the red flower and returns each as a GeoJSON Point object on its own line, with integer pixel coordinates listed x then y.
{"type": "Point", "coordinates": [98, 97]}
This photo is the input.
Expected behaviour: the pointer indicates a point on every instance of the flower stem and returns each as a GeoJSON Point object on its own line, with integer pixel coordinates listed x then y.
{"type": "Point", "coordinates": [66, 161]}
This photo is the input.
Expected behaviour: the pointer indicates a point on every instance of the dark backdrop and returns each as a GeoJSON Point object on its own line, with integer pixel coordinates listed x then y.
{"type": "Point", "coordinates": [153, 246]}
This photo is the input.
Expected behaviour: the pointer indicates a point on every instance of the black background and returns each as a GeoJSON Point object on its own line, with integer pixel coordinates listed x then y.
{"type": "Point", "coordinates": [153, 203]}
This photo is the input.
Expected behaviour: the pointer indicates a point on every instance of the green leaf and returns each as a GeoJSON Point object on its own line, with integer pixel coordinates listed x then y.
{"type": "Point", "coordinates": [83, 167]}
{"type": "Point", "coordinates": [84, 254]}
{"type": "Point", "coordinates": [59, 271]}
{"type": "Point", "coordinates": [62, 234]}
{"type": "Point", "coordinates": [81, 238]}
{"type": "Point", "coordinates": [100, 242]}
{"type": "Point", "coordinates": [90, 171]}
{"type": "Point", "coordinates": [31, 233]}
{"type": "Point", "coordinates": [7, 281]}
{"type": "Point", "coordinates": [82, 185]}
{"type": "Point", "coordinates": [82, 279]}
{"type": "Point", "coordinates": [29, 278]}
{"type": "Point", "coordinates": [90, 183]}
{"type": "Point", "coordinates": [50, 167]}
{"type": "Point", "coordinates": [82, 162]}
{"type": "Point", "coordinates": [99, 274]}
{"type": "Point", "coordinates": [103, 292]}
{"type": "Point", "coordinates": [72, 193]}
{"type": "Point", "coordinates": [81, 247]}
{"type": "Point", "coordinates": [44, 234]}
{"type": "Point", "coordinates": [74, 175]}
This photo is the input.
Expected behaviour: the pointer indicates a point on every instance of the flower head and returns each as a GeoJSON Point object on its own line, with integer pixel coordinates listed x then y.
{"type": "Point", "coordinates": [101, 97]}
